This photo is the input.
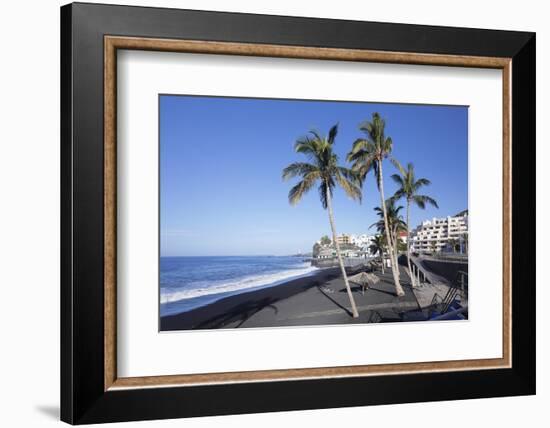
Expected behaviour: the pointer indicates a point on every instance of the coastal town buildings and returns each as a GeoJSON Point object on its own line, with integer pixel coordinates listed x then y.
{"type": "Point", "coordinates": [351, 246]}
{"type": "Point", "coordinates": [447, 234]}
{"type": "Point", "coordinates": [344, 239]}
{"type": "Point", "coordinates": [327, 252]}
{"type": "Point", "coordinates": [360, 241]}
{"type": "Point", "coordinates": [402, 236]}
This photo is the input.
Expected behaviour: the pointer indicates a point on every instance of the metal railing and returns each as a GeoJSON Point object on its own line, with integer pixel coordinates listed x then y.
{"type": "Point", "coordinates": [461, 281]}
{"type": "Point", "coordinates": [421, 275]}
{"type": "Point", "coordinates": [459, 288]}
{"type": "Point", "coordinates": [442, 305]}
{"type": "Point", "coordinates": [450, 256]}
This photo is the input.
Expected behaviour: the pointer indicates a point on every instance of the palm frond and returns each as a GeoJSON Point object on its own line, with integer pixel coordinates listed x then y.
{"type": "Point", "coordinates": [380, 226]}
{"type": "Point", "coordinates": [397, 179]}
{"type": "Point", "coordinates": [422, 200]}
{"type": "Point", "coordinates": [398, 195]}
{"type": "Point", "coordinates": [305, 145]}
{"type": "Point", "coordinates": [397, 165]}
{"type": "Point", "coordinates": [349, 174]}
{"type": "Point", "coordinates": [351, 187]}
{"type": "Point", "coordinates": [363, 157]}
{"type": "Point", "coordinates": [421, 182]}
{"type": "Point", "coordinates": [358, 149]}
{"type": "Point", "coordinates": [299, 190]}
{"type": "Point", "coordinates": [317, 136]}
{"type": "Point", "coordinates": [298, 169]}
{"type": "Point", "coordinates": [387, 146]}
{"type": "Point", "coordinates": [332, 134]}
{"type": "Point", "coordinates": [367, 127]}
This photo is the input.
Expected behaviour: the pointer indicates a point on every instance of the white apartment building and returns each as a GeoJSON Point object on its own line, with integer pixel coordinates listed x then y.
{"type": "Point", "coordinates": [362, 241]}
{"type": "Point", "coordinates": [436, 233]}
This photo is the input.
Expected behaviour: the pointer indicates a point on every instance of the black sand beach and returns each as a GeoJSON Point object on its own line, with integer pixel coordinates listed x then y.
{"type": "Point", "coordinates": [319, 299]}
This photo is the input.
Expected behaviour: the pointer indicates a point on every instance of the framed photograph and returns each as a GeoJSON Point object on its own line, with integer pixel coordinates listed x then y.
{"type": "Point", "coordinates": [267, 213]}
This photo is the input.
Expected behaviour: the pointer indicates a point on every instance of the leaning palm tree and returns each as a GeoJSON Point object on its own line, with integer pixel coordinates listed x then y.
{"type": "Point", "coordinates": [323, 169]}
{"type": "Point", "coordinates": [377, 247]}
{"type": "Point", "coordinates": [408, 190]}
{"type": "Point", "coordinates": [368, 154]}
{"type": "Point", "coordinates": [396, 223]}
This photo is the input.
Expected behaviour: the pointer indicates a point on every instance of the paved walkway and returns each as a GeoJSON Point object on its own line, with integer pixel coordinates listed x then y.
{"type": "Point", "coordinates": [435, 284]}
{"type": "Point", "coordinates": [329, 304]}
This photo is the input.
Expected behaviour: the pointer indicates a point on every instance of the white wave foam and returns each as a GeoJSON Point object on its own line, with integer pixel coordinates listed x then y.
{"type": "Point", "coordinates": [242, 284]}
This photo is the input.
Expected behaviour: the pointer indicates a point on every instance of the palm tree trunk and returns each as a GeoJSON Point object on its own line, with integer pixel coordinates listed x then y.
{"type": "Point", "coordinates": [395, 268]}
{"type": "Point", "coordinates": [413, 283]}
{"type": "Point", "coordinates": [337, 246]}
{"type": "Point", "coordinates": [395, 237]}
{"type": "Point", "coordinates": [396, 253]}
{"type": "Point", "coordinates": [382, 260]}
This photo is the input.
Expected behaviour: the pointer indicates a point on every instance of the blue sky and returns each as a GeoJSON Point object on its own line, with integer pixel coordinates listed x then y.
{"type": "Point", "coordinates": [221, 161]}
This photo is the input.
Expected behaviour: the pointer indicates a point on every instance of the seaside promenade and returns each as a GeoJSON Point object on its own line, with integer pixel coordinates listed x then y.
{"type": "Point", "coordinates": [329, 304]}
{"type": "Point", "coordinates": [321, 302]}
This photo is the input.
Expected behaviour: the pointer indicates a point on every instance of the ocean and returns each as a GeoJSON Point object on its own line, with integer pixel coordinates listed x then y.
{"type": "Point", "coordinates": [190, 282]}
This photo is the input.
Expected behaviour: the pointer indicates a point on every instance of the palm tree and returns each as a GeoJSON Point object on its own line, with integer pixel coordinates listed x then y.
{"type": "Point", "coordinates": [395, 222]}
{"type": "Point", "coordinates": [325, 240]}
{"type": "Point", "coordinates": [464, 239]}
{"type": "Point", "coordinates": [377, 247]}
{"type": "Point", "coordinates": [368, 154]}
{"type": "Point", "coordinates": [408, 189]}
{"type": "Point", "coordinates": [324, 170]}
{"type": "Point", "coordinates": [453, 243]}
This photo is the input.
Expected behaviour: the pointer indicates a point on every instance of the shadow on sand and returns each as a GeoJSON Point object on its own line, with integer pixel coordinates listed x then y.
{"type": "Point", "coordinates": [334, 301]}
{"type": "Point", "coordinates": [239, 314]}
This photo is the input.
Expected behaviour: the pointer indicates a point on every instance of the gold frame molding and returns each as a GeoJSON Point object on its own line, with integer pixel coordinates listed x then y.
{"type": "Point", "coordinates": [113, 43]}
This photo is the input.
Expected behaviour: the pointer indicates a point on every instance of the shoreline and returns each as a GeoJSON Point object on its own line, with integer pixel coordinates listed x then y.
{"type": "Point", "coordinates": [208, 299]}
{"type": "Point", "coordinates": [232, 308]}
{"type": "Point", "coordinates": [320, 299]}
